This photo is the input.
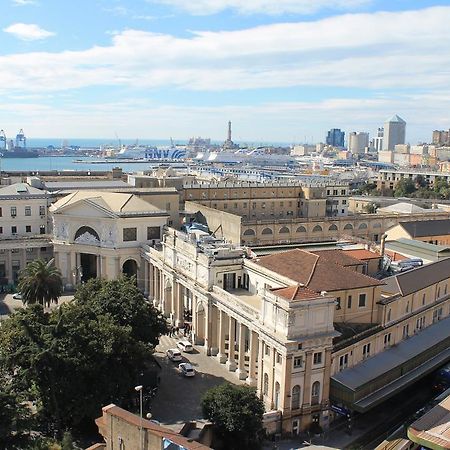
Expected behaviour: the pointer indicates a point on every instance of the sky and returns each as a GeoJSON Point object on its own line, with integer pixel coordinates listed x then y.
{"type": "Point", "coordinates": [280, 70]}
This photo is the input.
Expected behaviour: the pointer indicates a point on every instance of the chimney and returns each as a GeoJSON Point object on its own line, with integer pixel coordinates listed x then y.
{"type": "Point", "coordinates": [383, 244]}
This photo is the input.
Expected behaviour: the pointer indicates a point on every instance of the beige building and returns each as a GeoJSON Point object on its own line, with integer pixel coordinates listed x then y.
{"type": "Point", "coordinates": [432, 231]}
{"type": "Point", "coordinates": [99, 234]}
{"type": "Point", "coordinates": [388, 179]}
{"type": "Point", "coordinates": [24, 229]}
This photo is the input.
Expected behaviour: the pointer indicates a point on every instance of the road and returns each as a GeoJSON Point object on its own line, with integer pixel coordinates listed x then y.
{"type": "Point", "coordinates": [178, 398]}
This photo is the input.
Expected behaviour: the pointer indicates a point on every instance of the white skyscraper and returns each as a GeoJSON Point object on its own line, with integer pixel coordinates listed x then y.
{"type": "Point", "coordinates": [394, 132]}
{"type": "Point", "coordinates": [357, 142]}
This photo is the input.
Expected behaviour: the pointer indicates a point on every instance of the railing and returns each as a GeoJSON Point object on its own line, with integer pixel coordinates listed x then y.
{"type": "Point", "coordinates": [235, 303]}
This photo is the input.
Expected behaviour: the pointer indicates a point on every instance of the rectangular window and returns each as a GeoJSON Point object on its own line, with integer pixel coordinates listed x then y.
{"type": "Point", "coordinates": [362, 300]}
{"type": "Point", "coordinates": [266, 350]}
{"type": "Point", "coordinates": [366, 350]}
{"type": "Point", "coordinates": [42, 229]}
{"type": "Point", "coordinates": [279, 358]}
{"type": "Point", "coordinates": [28, 210]}
{"type": "Point", "coordinates": [338, 302]}
{"type": "Point", "coordinates": [153, 233]}
{"type": "Point", "coordinates": [349, 302]}
{"type": "Point", "coordinates": [343, 362]}
{"type": "Point", "coordinates": [244, 205]}
{"type": "Point", "coordinates": [405, 333]}
{"type": "Point", "coordinates": [28, 228]}
{"type": "Point", "coordinates": [13, 211]}
{"type": "Point", "coordinates": [129, 234]}
{"type": "Point", "coordinates": [317, 358]}
{"type": "Point", "coordinates": [225, 205]}
{"type": "Point", "coordinates": [42, 210]}
{"type": "Point", "coordinates": [387, 340]}
{"type": "Point", "coordinates": [298, 362]}
{"type": "Point", "coordinates": [1, 230]}
{"type": "Point", "coordinates": [1, 212]}
{"type": "Point", "coordinates": [13, 230]}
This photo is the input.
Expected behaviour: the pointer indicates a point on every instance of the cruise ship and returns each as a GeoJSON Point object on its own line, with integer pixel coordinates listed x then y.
{"type": "Point", "coordinates": [149, 152]}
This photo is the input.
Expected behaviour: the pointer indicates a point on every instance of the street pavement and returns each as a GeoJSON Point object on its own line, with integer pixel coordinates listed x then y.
{"type": "Point", "coordinates": [8, 304]}
{"type": "Point", "coordinates": [178, 398]}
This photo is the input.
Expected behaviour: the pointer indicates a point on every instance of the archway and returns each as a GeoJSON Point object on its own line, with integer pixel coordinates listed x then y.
{"type": "Point", "coordinates": [88, 268]}
{"type": "Point", "coordinates": [86, 235]}
{"type": "Point", "coordinates": [130, 268]}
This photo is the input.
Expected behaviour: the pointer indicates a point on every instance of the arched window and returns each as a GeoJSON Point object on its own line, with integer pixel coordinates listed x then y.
{"type": "Point", "coordinates": [317, 229]}
{"type": "Point", "coordinates": [277, 395]}
{"type": "Point", "coordinates": [284, 230]}
{"type": "Point", "coordinates": [377, 225]}
{"type": "Point", "coordinates": [348, 226]}
{"type": "Point", "coordinates": [362, 226]}
{"type": "Point", "coordinates": [84, 233]}
{"type": "Point", "coordinates": [301, 229]}
{"type": "Point", "coordinates": [332, 227]}
{"type": "Point", "coordinates": [249, 232]}
{"type": "Point", "coordinates": [295, 400]}
{"type": "Point", "coordinates": [266, 385]}
{"type": "Point", "coordinates": [315, 393]}
{"type": "Point", "coordinates": [267, 231]}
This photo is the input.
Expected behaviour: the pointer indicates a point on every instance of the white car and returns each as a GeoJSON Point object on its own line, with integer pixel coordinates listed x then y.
{"type": "Point", "coordinates": [186, 369]}
{"type": "Point", "coordinates": [174, 354]}
{"type": "Point", "coordinates": [185, 346]}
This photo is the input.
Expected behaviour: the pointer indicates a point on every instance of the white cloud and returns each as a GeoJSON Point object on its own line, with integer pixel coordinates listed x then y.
{"type": "Point", "coordinates": [28, 31]}
{"type": "Point", "coordinates": [24, 2]}
{"type": "Point", "coordinates": [388, 53]}
{"type": "Point", "coordinates": [272, 7]}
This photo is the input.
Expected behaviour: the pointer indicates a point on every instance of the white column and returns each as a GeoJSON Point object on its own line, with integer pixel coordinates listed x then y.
{"type": "Point", "coordinates": [146, 277]}
{"type": "Point", "coordinates": [231, 363]}
{"type": "Point", "coordinates": [251, 379]}
{"type": "Point", "coordinates": [221, 356]}
{"type": "Point", "coordinates": [241, 372]}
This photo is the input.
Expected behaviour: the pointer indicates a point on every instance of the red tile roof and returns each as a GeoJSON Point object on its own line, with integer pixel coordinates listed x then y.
{"type": "Point", "coordinates": [362, 254]}
{"type": "Point", "coordinates": [315, 271]}
{"type": "Point", "coordinates": [338, 256]}
{"type": "Point", "coordinates": [295, 293]}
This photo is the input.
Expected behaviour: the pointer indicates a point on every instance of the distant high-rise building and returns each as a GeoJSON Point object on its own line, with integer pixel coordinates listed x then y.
{"type": "Point", "coordinates": [441, 137]}
{"type": "Point", "coordinates": [377, 142]}
{"type": "Point", "coordinates": [394, 132]}
{"type": "Point", "coordinates": [357, 142]}
{"type": "Point", "coordinates": [335, 137]}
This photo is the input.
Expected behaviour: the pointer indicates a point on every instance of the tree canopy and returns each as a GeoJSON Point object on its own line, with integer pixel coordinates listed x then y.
{"type": "Point", "coordinates": [237, 414]}
{"type": "Point", "coordinates": [40, 282]}
{"type": "Point", "coordinates": [73, 360]}
{"type": "Point", "coordinates": [404, 188]}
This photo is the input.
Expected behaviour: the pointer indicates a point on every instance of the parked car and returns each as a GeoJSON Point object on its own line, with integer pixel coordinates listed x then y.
{"type": "Point", "coordinates": [186, 369]}
{"type": "Point", "coordinates": [185, 346]}
{"type": "Point", "coordinates": [17, 296]}
{"type": "Point", "coordinates": [174, 354]}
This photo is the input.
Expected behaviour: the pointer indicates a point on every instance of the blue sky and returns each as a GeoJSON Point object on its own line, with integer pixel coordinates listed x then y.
{"type": "Point", "coordinates": [281, 70]}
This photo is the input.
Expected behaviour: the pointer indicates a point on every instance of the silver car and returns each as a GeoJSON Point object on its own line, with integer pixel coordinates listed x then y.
{"type": "Point", "coordinates": [174, 354]}
{"type": "Point", "coordinates": [186, 369]}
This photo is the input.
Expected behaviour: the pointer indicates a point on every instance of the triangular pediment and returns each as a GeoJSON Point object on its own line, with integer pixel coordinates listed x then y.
{"type": "Point", "coordinates": [85, 208]}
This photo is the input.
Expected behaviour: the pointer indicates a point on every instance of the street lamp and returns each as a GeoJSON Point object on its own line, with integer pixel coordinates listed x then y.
{"type": "Point", "coordinates": [141, 435]}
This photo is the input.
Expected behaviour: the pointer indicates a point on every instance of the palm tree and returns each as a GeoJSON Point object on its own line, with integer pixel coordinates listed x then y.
{"type": "Point", "coordinates": [40, 282]}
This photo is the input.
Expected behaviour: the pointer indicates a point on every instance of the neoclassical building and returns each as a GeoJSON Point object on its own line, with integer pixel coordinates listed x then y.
{"type": "Point", "coordinates": [100, 234]}
{"type": "Point", "coordinates": [313, 331]}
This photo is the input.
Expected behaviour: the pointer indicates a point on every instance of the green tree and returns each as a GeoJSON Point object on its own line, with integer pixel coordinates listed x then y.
{"type": "Point", "coordinates": [370, 208]}
{"type": "Point", "coordinates": [420, 181]}
{"type": "Point", "coordinates": [40, 282]}
{"type": "Point", "coordinates": [237, 414]}
{"type": "Point", "coordinates": [71, 362]}
{"type": "Point", "coordinates": [404, 188]}
{"type": "Point", "coordinates": [15, 418]}
{"type": "Point", "coordinates": [124, 303]}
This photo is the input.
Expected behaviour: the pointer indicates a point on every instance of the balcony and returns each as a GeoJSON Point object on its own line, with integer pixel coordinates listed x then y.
{"type": "Point", "coordinates": [240, 300]}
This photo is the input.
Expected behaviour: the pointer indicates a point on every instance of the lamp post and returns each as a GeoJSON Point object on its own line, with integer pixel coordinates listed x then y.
{"type": "Point", "coordinates": [141, 435]}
